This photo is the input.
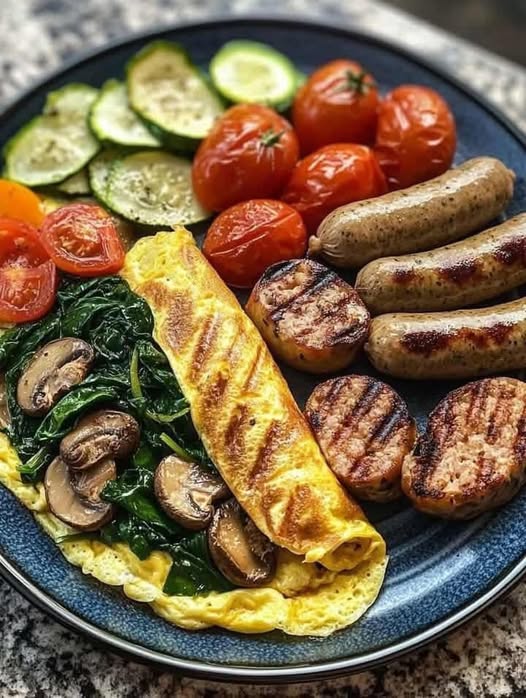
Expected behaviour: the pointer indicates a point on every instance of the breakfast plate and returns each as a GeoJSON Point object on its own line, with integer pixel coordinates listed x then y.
{"type": "Point", "coordinates": [440, 573]}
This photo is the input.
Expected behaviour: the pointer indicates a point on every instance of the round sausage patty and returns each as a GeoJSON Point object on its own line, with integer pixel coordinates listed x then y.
{"type": "Point", "coordinates": [364, 430]}
{"type": "Point", "coordinates": [472, 456]}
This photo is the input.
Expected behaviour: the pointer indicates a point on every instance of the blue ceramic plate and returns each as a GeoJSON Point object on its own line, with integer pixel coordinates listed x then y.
{"type": "Point", "coordinates": [440, 574]}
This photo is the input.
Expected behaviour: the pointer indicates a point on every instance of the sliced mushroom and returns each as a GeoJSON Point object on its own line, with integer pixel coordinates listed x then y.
{"type": "Point", "coordinates": [52, 371]}
{"type": "Point", "coordinates": [89, 483]}
{"type": "Point", "coordinates": [67, 506]}
{"type": "Point", "coordinates": [4, 410]}
{"type": "Point", "coordinates": [186, 492]}
{"type": "Point", "coordinates": [102, 434]}
{"type": "Point", "coordinates": [241, 552]}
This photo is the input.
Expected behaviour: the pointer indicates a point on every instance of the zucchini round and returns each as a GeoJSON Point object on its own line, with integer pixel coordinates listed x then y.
{"type": "Point", "coordinates": [112, 119]}
{"type": "Point", "coordinates": [76, 185]}
{"type": "Point", "coordinates": [56, 144]}
{"type": "Point", "coordinates": [153, 188]}
{"type": "Point", "coordinates": [170, 94]}
{"type": "Point", "coordinates": [252, 72]}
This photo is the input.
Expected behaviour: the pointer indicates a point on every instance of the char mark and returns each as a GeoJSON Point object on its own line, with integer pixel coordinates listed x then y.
{"type": "Point", "coordinates": [460, 272]}
{"type": "Point", "coordinates": [392, 420]}
{"type": "Point", "coordinates": [320, 279]}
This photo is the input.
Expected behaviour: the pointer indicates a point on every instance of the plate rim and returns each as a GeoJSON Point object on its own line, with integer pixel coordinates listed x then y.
{"type": "Point", "coordinates": [252, 674]}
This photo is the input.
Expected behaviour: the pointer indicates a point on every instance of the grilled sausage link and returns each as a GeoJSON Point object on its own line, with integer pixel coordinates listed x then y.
{"type": "Point", "coordinates": [442, 210]}
{"type": "Point", "coordinates": [454, 344]}
{"type": "Point", "coordinates": [454, 276]}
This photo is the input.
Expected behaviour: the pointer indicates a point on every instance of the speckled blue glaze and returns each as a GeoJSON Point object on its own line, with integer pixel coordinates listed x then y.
{"type": "Point", "coordinates": [436, 568]}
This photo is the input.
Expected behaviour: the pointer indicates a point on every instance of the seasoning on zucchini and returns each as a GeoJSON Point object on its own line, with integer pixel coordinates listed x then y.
{"type": "Point", "coordinates": [56, 144]}
{"type": "Point", "coordinates": [76, 185]}
{"type": "Point", "coordinates": [248, 71]}
{"type": "Point", "coordinates": [99, 169]}
{"type": "Point", "coordinates": [112, 120]}
{"type": "Point", "coordinates": [153, 188]}
{"type": "Point", "coordinates": [169, 94]}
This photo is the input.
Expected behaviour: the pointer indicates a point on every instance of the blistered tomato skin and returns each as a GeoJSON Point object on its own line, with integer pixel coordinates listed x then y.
{"type": "Point", "coordinates": [331, 177]}
{"type": "Point", "coordinates": [250, 152]}
{"type": "Point", "coordinates": [247, 238]}
{"type": "Point", "coordinates": [416, 136]}
{"type": "Point", "coordinates": [337, 104]}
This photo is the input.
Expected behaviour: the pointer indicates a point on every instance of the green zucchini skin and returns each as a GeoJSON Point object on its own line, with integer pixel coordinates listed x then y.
{"type": "Point", "coordinates": [61, 129]}
{"type": "Point", "coordinates": [173, 128]}
{"type": "Point", "coordinates": [275, 86]}
{"type": "Point", "coordinates": [113, 121]}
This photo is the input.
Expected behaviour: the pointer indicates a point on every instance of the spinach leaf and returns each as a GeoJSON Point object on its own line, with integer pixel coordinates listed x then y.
{"type": "Point", "coordinates": [133, 491]}
{"type": "Point", "coordinates": [192, 571]}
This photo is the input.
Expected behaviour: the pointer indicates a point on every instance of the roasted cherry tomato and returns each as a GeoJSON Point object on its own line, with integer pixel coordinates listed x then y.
{"type": "Point", "coordinates": [19, 202]}
{"type": "Point", "coordinates": [82, 239]}
{"type": "Point", "coordinates": [250, 152]}
{"type": "Point", "coordinates": [337, 104]}
{"type": "Point", "coordinates": [330, 177]}
{"type": "Point", "coordinates": [247, 238]}
{"type": "Point", "coordinates": [28, 278]}
{"type": "Point", "coordinates": [416, 136]}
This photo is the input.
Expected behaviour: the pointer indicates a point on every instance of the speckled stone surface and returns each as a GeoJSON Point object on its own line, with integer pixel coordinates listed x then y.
{"type": "Point", "coordinates": [37, 657]}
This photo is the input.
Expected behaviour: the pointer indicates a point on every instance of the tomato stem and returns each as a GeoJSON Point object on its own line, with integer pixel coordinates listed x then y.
{"type": "Point", "coordinates": [356, 82]}
{"type": "Point", "coordinates": [270, 137]}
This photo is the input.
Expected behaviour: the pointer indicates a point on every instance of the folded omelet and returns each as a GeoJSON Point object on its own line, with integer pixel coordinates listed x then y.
{"type": "Point", "coordinates": [331, 561]}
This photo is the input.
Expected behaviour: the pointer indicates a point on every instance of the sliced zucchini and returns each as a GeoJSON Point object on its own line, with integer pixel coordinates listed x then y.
{"type": "Point", "coordinates": [76, 185]}
{"type": "Point", "coordinates": [57, 144]}
{"type": "Point", "coordinates": [112, 120]}
{"type": "Point", "coordinates": [153, 188]}
{"type": "Point", "coordinates": [169, 93]}
{"type": "Point", "coordinates": [248, 71]}
{"type": "Point", "coordinates": [99, 170]}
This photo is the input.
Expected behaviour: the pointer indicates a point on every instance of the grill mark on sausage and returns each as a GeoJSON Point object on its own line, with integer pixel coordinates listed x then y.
{"type": "Point", "coordinates": [360, 407]}
{"type": "Point", "coordinates": [460, 272]}
{"type": "Point", "coordinates": [511, 251]}
{"type": "Point", "coordinates": [331, 313]}
{"type": "Point", "coordinates": [319, 280]}
{"type": "Point", "coordinates": [391, 421]}
{"type": "Point", "coordinates": [277, 272]}
{"type": "Point", "coordinates": [427, 342]}
{"type": "Point", "coordinates": [403, 276]}
{"type": "Point", "coordinates": [327, 399]}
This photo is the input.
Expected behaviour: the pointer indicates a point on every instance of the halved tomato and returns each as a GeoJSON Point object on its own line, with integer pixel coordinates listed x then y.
{"type": "Point", "coordinates": [82, 239]}
{"type": "Point", "coordinates": [28, 278]}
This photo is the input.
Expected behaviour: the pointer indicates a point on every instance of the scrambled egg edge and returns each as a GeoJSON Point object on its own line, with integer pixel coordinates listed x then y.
{"type": "Point", "coordinates": [304, 599]}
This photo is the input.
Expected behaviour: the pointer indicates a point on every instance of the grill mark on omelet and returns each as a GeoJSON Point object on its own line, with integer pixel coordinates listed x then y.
{"type": "Point", "coordinates": [234, 437]}
{"type": "Point", "coordinates": [204, 346]}
{"type": "Point", "coordinates": [270, 444]}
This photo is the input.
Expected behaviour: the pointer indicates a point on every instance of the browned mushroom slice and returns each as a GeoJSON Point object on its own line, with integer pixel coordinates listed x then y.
{"type": "Point", "coordinates": [186, 492]}
{"type": "Point", "coordinates": [102, 434]}
{"type": "Point", "coordinates": [67, 506]}
{"type": "Point", "coordinates": [241, 552]}
{"type": "Point", "coordinates": [52, 371]}
{"type": "Point", "coordinates": [89, 483]}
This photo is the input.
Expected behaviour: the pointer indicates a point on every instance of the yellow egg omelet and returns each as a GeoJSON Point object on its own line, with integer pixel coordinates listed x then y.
{"type": "Point", "coordinates": [331, 561]}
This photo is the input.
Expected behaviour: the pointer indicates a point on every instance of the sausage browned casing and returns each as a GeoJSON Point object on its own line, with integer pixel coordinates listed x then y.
{"type": "Point", "coordinates": [454, 344]}
{"type": "Point", "coordinates": [454, 276]}
{"type": "Point", "coordinates": [442, 210]}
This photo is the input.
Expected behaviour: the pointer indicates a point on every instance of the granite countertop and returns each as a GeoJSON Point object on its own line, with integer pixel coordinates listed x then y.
{"type": "Point", "coordinates": [37, 656]}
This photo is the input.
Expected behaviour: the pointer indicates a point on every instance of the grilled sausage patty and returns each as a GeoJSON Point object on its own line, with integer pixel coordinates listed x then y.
{"type": "Point", "coordinates": [454, 276]}
{"type": "Point", "coordinates": [309, 317]}
{"type": "Point", "coordinates": [441, 210]}
{"type": "Point", "coordinates": [452, 344]}
{"type": "Point", "coordinates": [472, 456]}
{"type": "Point", "coordinates": [364, 430]}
